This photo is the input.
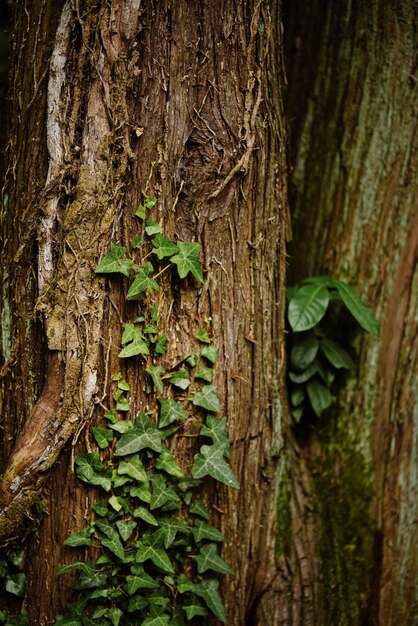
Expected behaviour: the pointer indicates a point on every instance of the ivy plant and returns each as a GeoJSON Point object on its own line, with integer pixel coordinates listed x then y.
{"type": "Point", "coordinates": [315, 357]}
{"type": "Point", "coordinates": [12, 583]}
{"type": "Point", "coordinates": [158, 557]}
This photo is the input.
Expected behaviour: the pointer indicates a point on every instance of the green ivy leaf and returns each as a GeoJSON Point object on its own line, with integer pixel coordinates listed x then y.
{"type": "Point", "coordinates": [92, 471]}
{"type": "Point", "coordinates": [16, 584]}
{"type": "Point", "coordinates": [161, 345]}
{"type": "Point", "coordinates": [157, 620]}
{"type": "Point", "coordinates": [126, 528]}
{"type": "Point", "coordinates": [115, 615]}
{"type": "Point", "coordinates": [210, 462]}
{"type": "Point", "coordinates": [156, 371]}
{"type": "Point", "coordinates": [215, 428]}
{"type": "Point", "coordinates": [140, 212]}
{"type": "Point", "coordinates": [153, 228]}
{"type": "Point", "coordinates": [180, 379]}
{"type": "Point", "coordinates": [142, 492]}
{"type": "Point", "coordinates": [123, 405]}
{"type": "Point", "coordinates": [138, 346]}
{"type": "Point", "coordinates": [114, 544]}
{"type": "Point", "coordinates": [115, 262]}
{"type": "Point", "coordinates": [137, 603]}
{"type": "Point", "coordinates": [208, 591]}
{"type": "Point", "coordinates": [209, 559]}
{"type": "Point", "coordinates": [103, 437]}
{"type": "Point", "coordinates": [139, 579]}
{"type": "Point", "coordinates": [135, 440]}
{"type": "Point", "coordinates": [141, 284]}
{"type": "Point", "coordinates": [170, 411]}
{"type": "Point", "coordinates": [206, 373]}
{"type": "Point", "coordinates": [145, 515]}
{"type": "Point", "coordinates": [161, 494]}
{"type": "Point", "coordinates": [100, 508]}
{"type": "Point", "coordinates": [171, 527]}
{"type": "Point", "coordinates": [307, 307]}
{"type": "Point", "coordinates": [163, 247]}
{"type": "Point", "coordinates": [335, 354]}
{"type": "Point", "coordinates": [319, 396]}
{"type": "Point", "coordinates": [207, 398]}
{"type": "Point", "coordinates": [202, 530]}
{"type": "Point", "coordinates": [121, 426]}
{"type": "Point", "coordinates": [191, 360]}
{"type": "Point", "coordinates": [304, 351]}
{"type": "Point", "coordinates": [153, 551]}
{"type": "Point", "coordinates": [192, 610]}
{"type": "Point", "coordinates": [150, 201]}
{"type": "Point", "coordinates": [187, 260]}
{"type": "Point", "coordinates": [210, 353]}
{"type": "Point", "coordinates": [133, 467]}
{"type": "Point", "coordinates": [168, 464]}
{"type": "Point", "coordinates": [81, 538]}
{"type": "Point", "coordinates": [202, 335]}
{"type": "Point", "coordinates": [137, 242]}
{"type": "Point", "coordinates": [362, 313]}
{"type": "Point", "coordinates": [198, 508]}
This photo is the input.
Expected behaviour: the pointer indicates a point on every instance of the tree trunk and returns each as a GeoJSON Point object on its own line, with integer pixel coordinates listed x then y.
{"type": "Point", "coordinates": [352, 103]}
{"type": "Point", "coordinates": [182, 100]}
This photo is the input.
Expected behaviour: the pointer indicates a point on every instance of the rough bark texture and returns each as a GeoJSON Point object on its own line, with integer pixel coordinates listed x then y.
{"type": "Point", "coordinates": [182, 99]}
{"type": "Point", "coordinates": [352, 105]}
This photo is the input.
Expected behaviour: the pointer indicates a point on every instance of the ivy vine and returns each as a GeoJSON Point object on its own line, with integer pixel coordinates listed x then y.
{"type": "Point", "coordinates": [158, 556]}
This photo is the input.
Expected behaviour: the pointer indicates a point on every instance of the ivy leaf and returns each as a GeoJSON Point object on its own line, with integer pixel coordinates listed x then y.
{"type": "Point", "coordinates": [115, 262]}
{"type": "Point", "coordinates": [187, 260]}
{"type": "Point", "coordinates": [207, 398]}
{"type": "Point", "coordinates": [133, 467]}
{"type": "Point", "coordinates": [209, 559]}
{"type": "Point", "coordinates": [208, 591]}
{"type": "Point", "coordinates": [100, 508]}
{"type": "Point", "coordinates": [210, 353]}
{"type": "Point", "coordinates": [142, 492]}
{"type": "Point", "coordinates": [215, 428]}
{"type": "Point", "coordinates": [163, 247]}
{"type": "Point", "coordinates": [161, 494]}
{"type": "Point", "coordinates": [103, 437]}
{"type": "Point", "coordinates": [202, 335]}
{"type": "Point", "coordinates": [184, 584]}
{"type": "Point", "coordinates": [180, 379]}
{"type": "Point", "coordinates": [16, 584]}
{"type": "Point", "coordinates": [139, 579]}
{"type": "Point", "coordinates": [170, 411]}
{"type": "Point", "coordinates": [192, 610]}
{"type": "Point", "coordinates": [210, 462]}
{"type": "Point", "coordinates": [153, 552]}
{"type": "Point", "coordinates": [137, 603]}
{"type": "Point", "coordinates": [191, 360]}
{"type": "Point", "coordinates": [362, 313]}
{"type": "Point", "coordinates": [304, 351]}
{"type": "Point", "coordinates": [202, 530]}
{"type": "Point", "coordinates": [161, 345]}
{"type": "Point", "coordinates": [82, 538]}
{"type": "Point", "coordinates": [145, 515]}
{"type": "Point", "coordinates": [307, 307]}
{"type": "Point", "coordinates": [138, 346]}
{"type": "Point", "coordinates": [114, 614]}
{"type": "Point", "coordinates": [123, 405]}
{"type": "Point", "coordinates": [137, 242]}
{"type": "Point", "coordinates": [153, 228]}
{"type": "Point", "coordinates": [126, 528]}
{"type": "Point", "coordinates": [135, 440]}
{"type": "Point", "coordinates": [155, 371]}
{"type": "Point", "coordinates": [150, 201]}
{"type": "Point", "coordinates": [206, 373]}
{"type": "Point", "coordinates": [157, 620]}
{"type": "Point", "coordinates": [121, 426]}
{"type": "Point", "coordinates": [141, 284]}
{"type": "Point", "coordinates": [198, 508]}
{"type": "Point", "coordinates": [171, 527]}
{"type": "Point", "coordinates": [168, 464]}
{"type": "Point", "coordinates": [335, 354]}
{"type": "Point", "coordinates": [140, 212]}
{"type": "Point", "coordinates": [319, 396]}
{"type": "Point", "coordinates": [92, 471]}
{"type": "Point", "coordinates": [114, 544]}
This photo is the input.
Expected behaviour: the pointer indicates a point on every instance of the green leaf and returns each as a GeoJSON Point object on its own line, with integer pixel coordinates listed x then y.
{"type": "Point", "coordinates": [123, 405]}
{"type": "Point", "coordinates": [207, 398]}
{"type": "Point", "coordinates": [202, 530]}
{"type": "Point", "coordinates": [114, 544]}
{"type": "Point", "coordinates": [155, 371]}
{"type": "Point", "coordinates": [145, 515]}
{"type": "Point", "coordinates": [163, 247]}
{"type": "Point", "coordinates": [198, 508]}
{"type": "Point", "coordinates": [210, 353]}
{"type": "Point", "coordinates": [170, 411]}
{"type": "Point", "coordinates": [297, 414]}
{"type": "Point", "coordinates": [153, 228]}
{"type": "Point", "coordinates": [202, 335]}
{"type": "Point", "coordinates": [319, 396]}
{"type": "Point", "coordinates": [137, 242]}
{"type": "Point", "coordinates": [304, 351]}
{"type": "Point", "coordinates": [137, 603]}
{"type": "Point", "coordinates": [208, 591]}
{"type": "Point", "coordinates": [210, 462]}
{"type": "Point", "coordinates": [114, 614]}
{"type": "Point", "coordinates": [135, 440]}
{"type": "Point", "coordinates": [335, 354]}
{"type": "Point", "coordinates": [161, 494]}
{"type": "Point", "coordinates": [142, 492]}
{"type": "Point", "coordinates": [154, 553]}
{"type": "Point", "coordinates": [161, 345]}
{"type": "Point", "coordinates": [126, 528]}
{"type": "Point", "coordinates": [133, 467]}
{"type": "Point", "coordinates": [191, 360]}
{"type": "Point", "coordinates": [362, 313]}
{"type": "Point", "coordinates": [302, 377]}
{"type": "Point", "coordinates": [115, 262]}
{"type": "Point", "coordinates": [121, 426]}
{"type": "Point", "coordinates": [139, 579]}
{"type": "Point", "coordinates": [180, 379]}
{"type": "Point", "coordinates": [297, 395]}
{"type": "Point", "coordinates": [187, 260]}
{"type": "Point", "coordinates": [82, 538]}
{"type": "Point", "coordinates": [307, 307]}
{"type": "Point", "coordinates": [157, 620]}
{"type": "Point", "coordinates": [141, 284]}
{"type": "Point", "coordinates": [192, 610]}
{"type": "Point", "coordinates": [91, 470]}
{"type": "Point", "coordinates": [209, 559]}
{"type": "Point", "coordinates": [150, 201]}
{"type": "Point", "coordinates": [123, 385]}
{"type": "Point", "coordinates": [171, 527]}
{"type": "Point", "coordinates": [103, 437]}
{"type": "Point", "coordinates": [16, 584]}
{"type": "Point", "coordinates": [138, 346]}
{"type": "Point", "coordinates": [206, 373]}
{"type": "Point", "coordinates": [168, 464]}
{"type": "Point", "coordinates": [140, 212]}
{"type": "Point", "coordinates": [215, 428]}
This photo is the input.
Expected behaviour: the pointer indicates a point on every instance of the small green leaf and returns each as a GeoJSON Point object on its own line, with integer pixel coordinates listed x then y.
{"type": "Point", "coordinates": [171, 527]}
{"type": "Point", "coordinates": [150, 201]}
{"type": "Point", "coordinates": [135, 440]}
{"type": "Point", "coordinates": [154, 553]}
{"type": "Point", "coordinates": [123, 405]}
{"type": "Point", "coordinates": [139, 346]}
{"type": "Point", "coordinates": [319, 396]}
{"type": "Point", "coordinates": [208, 590]}
{"type": "Point", "coordinates": [137, 242]}
{"type": "Point", "coordinates": [140, 212]}
{"type": "Point", "coordinates": [137, 603]}
{"type": "Point", "coordinates": [16, 584]}
{"type": "Point", "coordinates": [297, 414]}
{"type": "Point", "coordinates": [202, 335]}
{"type": "Point", "coordinates": [91, 470]}
{"type": "Point", "coordinates": [141, 284]}
{"type": "Point", "coordinates": [210, 462]}
{"type": "Point", "coordinates": [307, 307]}
{"type": "Point", "coordinates": [114, 544]}
{"type": "Point", "coordinates": [209, 559]}
{"type": "Point", "coordinates": [123, 385]}
{"type": "Point", "coordinates": [114, 614]}
{"type": "Point", "coordinates": [192, 610]}
{"type": "Point", "coordinates": [198, 508]}
{"type": "Point", "coordinates": [167, 463]}
{"type": "Point", "coordinates": [100, 508]}
{"type": "Point", "coordinates": [161, 494]}
{"type": "Point", "coordinates": [139, 580]}
{"type": "Point", "coordinates": [145, 515]}
{"type": "Point", "coordinates": [82, 538]}
{"type": "Point", "coordinates": [126, 528]}
{"type": "Point", "coordinates": [157, 620]}
{"type": "Point", "coordinates": [207, 398]}
{"type": "Point", "coordinates": [156, 371]}
{"type": "Point", "coordinates": [191, 360]}
{"type": "Point", "coordinates": [115, 262]}
{"type": "Point", "coordinates": [180, 379]}
{"type": "Point", "coordinates": [153, 228]}
{"type": "Point", "coordinates": [115, 504]}
{"type": "Point", "coordinates": [297, 395]}
{"type": "Point", "coordinates": [103, 437]}
{"type": "Point", "coordinates": [302, 377]}
{"type": "Point", "coordinates": [202, 530]}
{"type": "Point", "coordinates": [210, 353]}
{"type": "Point", "coordinates": [187, 260]}
{"type": "Point", "coordinates": [163, 247]}
{"type": "Point", "coordinates": [142, 492]}
{"type": "Point", "coordinates": [121, 426]}
{"type": "Point", "coordinates": [133, 467]}
{"type": "Point", "coordinates": [170, 411]}
{"type": "Point", "coordinates": [161, 345]}
{"type": "Point", "coordinates": [304, 351]}
{"type": "Point", "coordinates": [362, 313]}
{"type": "Point", "coordinates": [205, 373]}
{"type": "Point", "coordinates": [215, 428]}
{"type": "Point", "coordinates": [335, 354]}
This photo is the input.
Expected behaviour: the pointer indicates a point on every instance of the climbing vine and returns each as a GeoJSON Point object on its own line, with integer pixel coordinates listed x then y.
{"type": "Point", "coordinates": [157, 553]}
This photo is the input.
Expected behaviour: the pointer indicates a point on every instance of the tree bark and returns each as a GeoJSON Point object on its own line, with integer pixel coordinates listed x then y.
{"type": "Point", "coordinates": [352, 103]}
{"type": "Point", "coordinates": [183, 100]}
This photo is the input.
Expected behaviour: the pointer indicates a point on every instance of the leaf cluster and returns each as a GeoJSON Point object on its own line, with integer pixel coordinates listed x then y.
{"type": "Point", "coordinates": [315, 358]}
{"type": "Point", "coordinates": [13, 583]}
